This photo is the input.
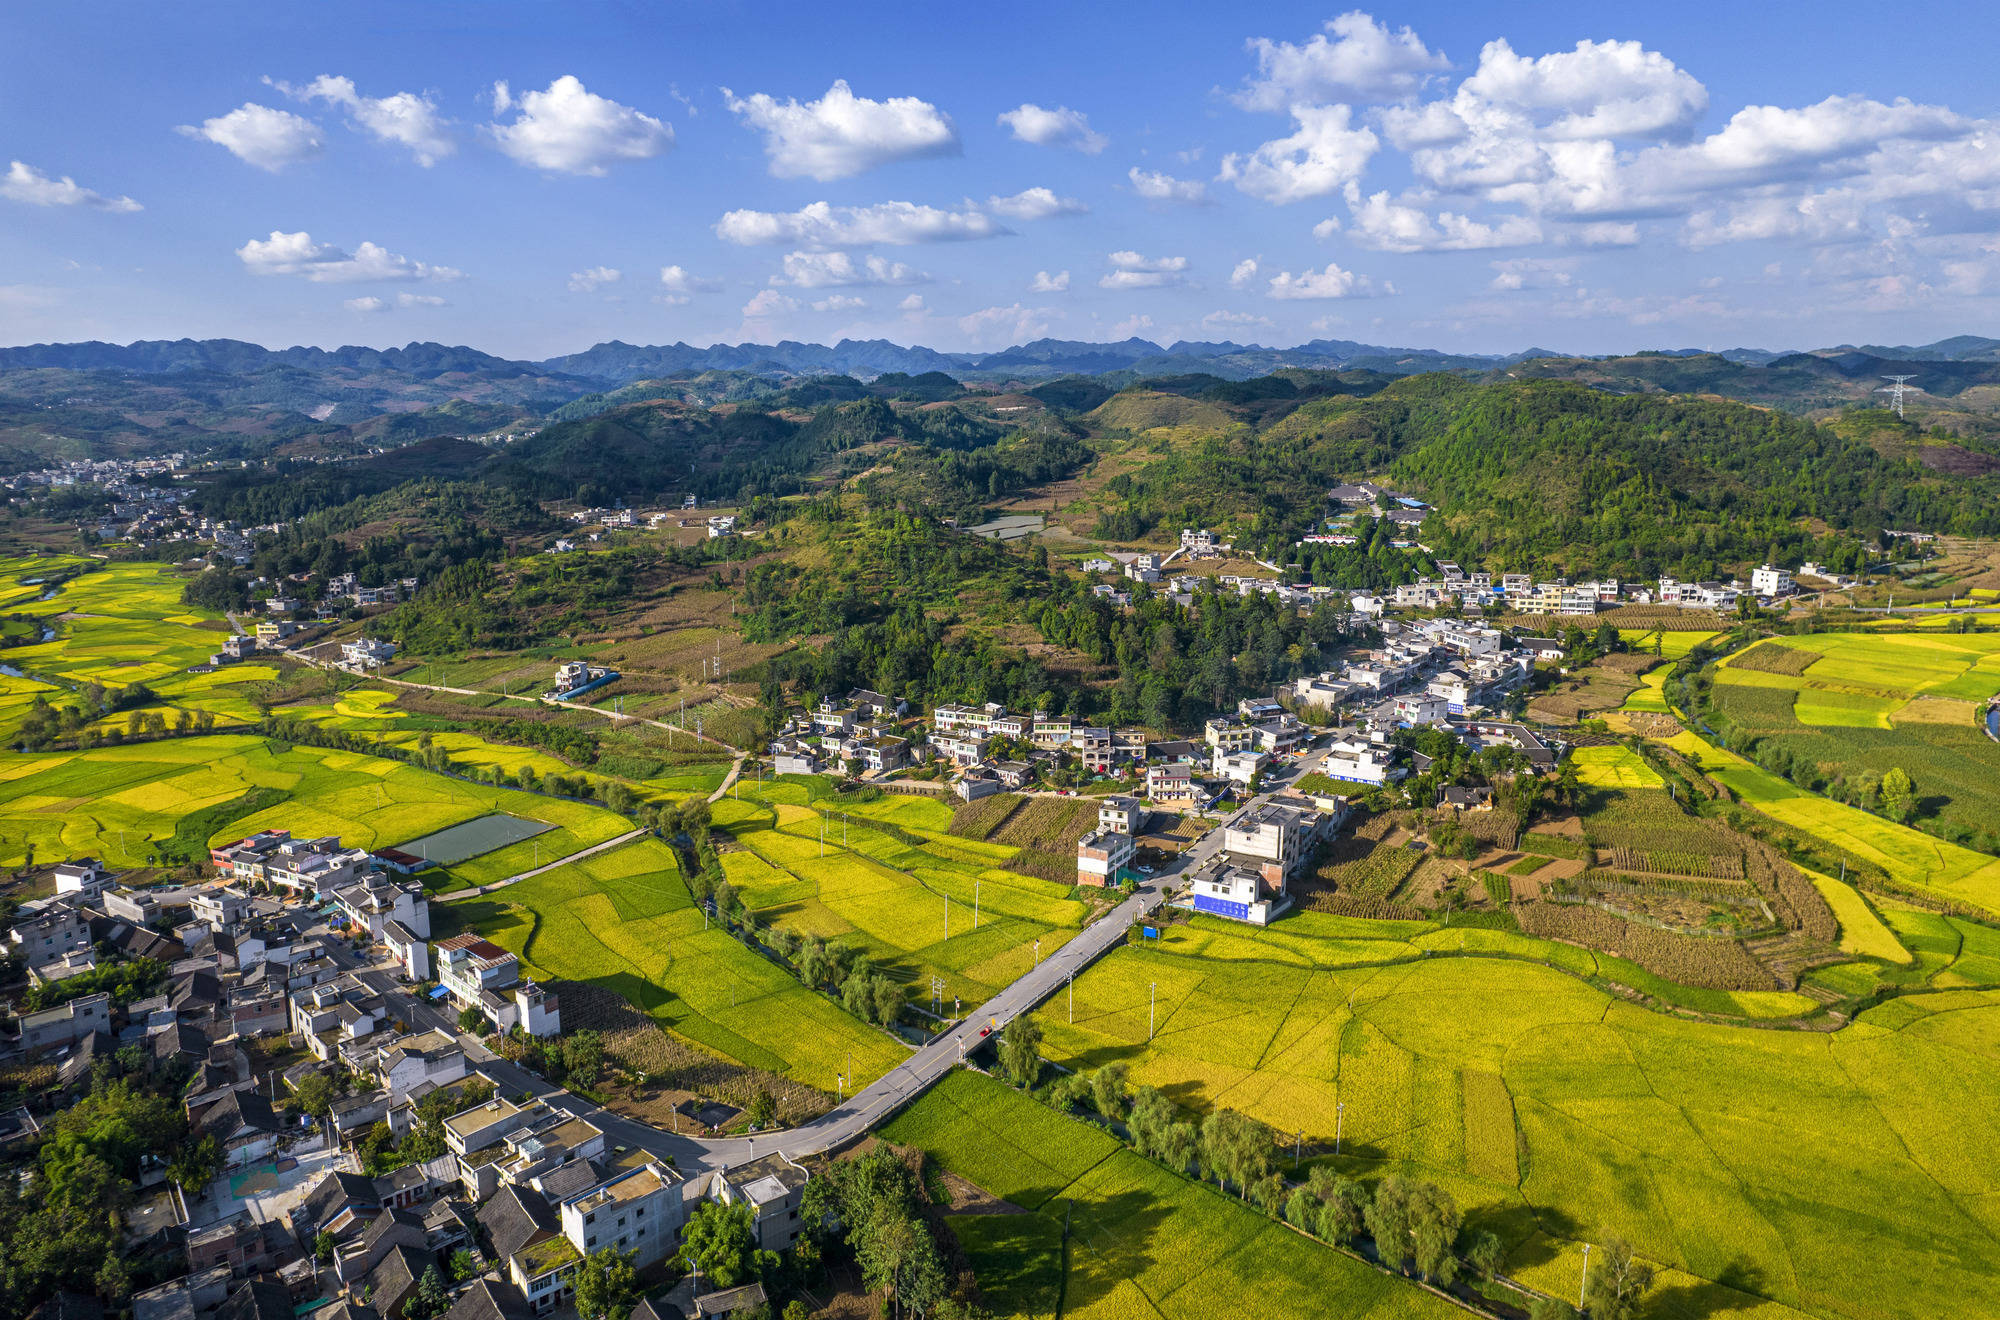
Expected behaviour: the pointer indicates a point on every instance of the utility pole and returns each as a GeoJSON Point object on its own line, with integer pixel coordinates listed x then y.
{"type": "Point", "coordinates": [1038, 952]}
{"type": "Point", "coordinates": [1152, 988]}
{"type": "Point", "coordinates": [975, 902]}
{"type": "Point", "coordinates": [1071, 978]}
{"type": "Point", "coordinates": [1298, 1147]}
{"type": "Point", "coordinates": [1584, 1287]}
{"type": "Point", "coordinates": [1339, 1122]}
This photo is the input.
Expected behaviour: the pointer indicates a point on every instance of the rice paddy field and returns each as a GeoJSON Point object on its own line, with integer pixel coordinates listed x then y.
{"type": "Point", "coordinates": [123, 803]}
{"type": "Point", "coordinates": [117, 625]}
{"type": "Point", "coordinates": [909, 905]}
{"type": "Point", "coordinates": [1668, 645]}
{"type": "Point", "coordinates": [1857, 704]}
{"type": "Point", "coordinates": [1837, 1173]}
{"type": "Point", "coordinates": [624, 919]}
{"type": "Point", "coordinates": [1142, 1242]}
{"type": "Point", "coordinates": [1909, 856]}
{"type": "Point", "coordinates": [1614, 767]}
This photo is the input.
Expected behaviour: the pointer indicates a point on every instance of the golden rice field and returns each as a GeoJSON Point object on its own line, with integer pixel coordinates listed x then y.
{"type": "Point", "coordinates": [911, 908]}
{"type": "Point", "coordinates": [1837, 1174]}
{"type": "Point", "coordinates": [120, 624]}
{"type": "Point", "coordinates": [624, 919]}
{"type": "Point", "coordinates": [1907, 855]}
{"type": "Point", "coordinates": [120, 803]}
{"type": "Point", "coordinates": [1614, 767]}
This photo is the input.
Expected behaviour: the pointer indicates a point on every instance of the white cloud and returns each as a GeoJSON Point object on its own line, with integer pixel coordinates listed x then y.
{"type": "Point", "coordinates": [1601, 233]}
{"type": "Point", "coordinates": [1060, 127]}
{"type": "Point", "coordinates": [839, 302]}
{"type": "Point", "coordinates": [834, 270]}
{"type": "Point", "coordinates": [841, 134]}
{"type": "Point", "coordinates": [1333, 282]}
{"type": "Point", "coordinates": [1157, 187]}
{"type": "Point", "coordinates": [408, 119]}
{"type": "Point", "coordinates": [1223, 320]}
{"type": "Point", "coordinates": [568, 130]}
{"type": "Point", "coordinates": [420, 300]}
{"type": "Point", "coordinates": [678, 280]}
{"type": "Point", "coordinates": [269, 139]}
{"type": "Point", "coordinates": [768, 303]}
{"type": "Point", "coordinates": [1002, 327]}
{"type": "Point", "coordinates": [1326, 228]}
{"type": "Point", "coordinates": [590, 281]}
{"type": "Point", "coordinates": [1129, 270]}
{"type": "Point", "coordinates": [1325, 153]}
{"type": "Point", "coordinates": [1131, 326]}
{"type": "Point", "coordinates": [370, 304]}
{"type": "Point", "coordinates": [1602, 89]}
{"type": "Point", "coordinates": [1533, 273]}
{"type": "Point", "coordinates": [1392, 226]}
{"type": "Point", "coordinates": [1363, 62]}
{"type": "Point", "coordinates": [913, 303]}
{"type": "Point", "coordinates": [25, 183]}
{"type": "Point", "coordinates": [322, 263]}
{"type": "Point", "coordinates": [1245, 271]}
{"type": "Point", "coordinates": [1047, 283]}
{"type": "Point", "coordinates": [823, 225]}
{"type": "Point", "coordinates": [1035, 204]}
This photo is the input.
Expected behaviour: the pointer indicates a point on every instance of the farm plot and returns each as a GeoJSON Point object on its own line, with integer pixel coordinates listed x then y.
{"type": "Point", "coordinates": [1908, 856]}
{"type": "Point", "coordinates": [1712, 1147]}
{"type": "Point", "coordinates": [1614, 767]}
{"type": "Point", "coordinates": [123, 803]}
{"type": "Point", "coordinates": [624, 920]}
{"type": "Point", "coordinates": [911, 907]}
{"type": "Point", "coordinates": [1141, 1241]}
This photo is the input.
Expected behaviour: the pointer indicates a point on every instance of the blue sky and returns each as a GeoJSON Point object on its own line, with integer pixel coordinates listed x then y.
{"type": "Point", "coordinates": [967, 177]}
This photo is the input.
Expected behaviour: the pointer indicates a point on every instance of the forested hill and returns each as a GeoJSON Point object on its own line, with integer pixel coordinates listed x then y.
{"type": "Point", "coordinates": [1538, 473]}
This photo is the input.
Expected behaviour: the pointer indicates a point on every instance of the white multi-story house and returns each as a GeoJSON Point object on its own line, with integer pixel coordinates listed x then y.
{"type": "Point", "coordinates": [1102, 855]}
{"type": "Point", "coordinates": [479, 974]}
{"type": "Point", "coordinates": [1770, 581]}
{"type": "Point", "coordinates": [375, 901]}
{"type": "Point", "coordinates": [1360, 761]}
{"type": "Point", "coordinates": [1120, 814]}
{"type": "Point", "coordinates": [1239, 767]}
{"type": "Point", "coordinates": [637, 1211]}
{"type": "Point", "coordinates": [1170, 785]}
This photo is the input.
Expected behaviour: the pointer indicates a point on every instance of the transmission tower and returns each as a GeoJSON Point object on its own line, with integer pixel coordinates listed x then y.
{"type": "Point", "coordinates": [1895, 392]}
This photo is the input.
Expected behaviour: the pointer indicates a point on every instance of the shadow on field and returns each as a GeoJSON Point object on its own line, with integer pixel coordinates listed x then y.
{"type": "Point", "coordinates": [1739, 1287]}
{"type": "Point", "coordinates": [1110, 1241]}
{"type": "Point", "coordinates": [636, 989]}
{"type": "Point", "coordinates": [1543, 1230]}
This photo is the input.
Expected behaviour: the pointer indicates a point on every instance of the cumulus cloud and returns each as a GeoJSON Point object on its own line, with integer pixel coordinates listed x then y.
{"type": "Point", "coordinates": [25, 183]}
{"type": "Point", "coordinates": [1129, 270]}
{"type": "Point", "coordinates": [912, 303]}
{"type": "Point", "coordinates": [1001, 327]}
{"type": "Point", "coordinates": [1533, 273]}
{"type": "Point", "coordinates": [1354, 59]}
{"type": "Point", "coordinates": [841, 134]}
{"type": "Point", "coordinates": [1060, 127]}
{"type": "Point", "coordinates": [768, 303]}
{"type": "Point", "coordinates": [833, 270]}
{"type": "Point", "coordinates": [1323, 154]}
{"type": "Point", "coordinates": [261, 136]}
{"type": "Point", "coordinates": [677, 280]}
{"type": "Point", "coordinates": [1155, 186]}
{"type": "Point", "coordinates": [823, 225]}
{"type": "Point", "coordinates": [420, 300]}
{"type": "Point", "coordinates": [590, 281]}
{"type": "Point", "coordinates": [569, 130]}
{"type": "Point", "coordinates": [1245, 271]}
{"type": "Point", "coordinates": [1332, 282]}
{"type": "Point", "coordinates": [322, 263]}
{"type": "Point", "coordinates": [1602, 89]}
{"type": "Point", "coordinates": [369, 304]}
{"type": "Point", "coordinates": [1035, 204]}
{"type": "Point", "coordinates": [1047, 283]}
{"type": "Point", "coordinates": [1393, 226]}
{"type": "Point", "coordinates": [839, 302]}
{"type": "Point", "coordinates": [407, 119]}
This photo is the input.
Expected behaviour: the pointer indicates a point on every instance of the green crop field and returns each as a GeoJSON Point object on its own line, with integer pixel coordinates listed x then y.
{"type": "Point", "coordinates": [1837, 1173]}
{"type": "Point", "coordinates": [1856, 705]}
{"type": "Point", "coordinates": [1614, 767]}
{"type": "Point", "coordinates": [1861, 932]}
{"type": "Point", "coordinates": [121, 803]}
{"type": "Point", "coordinates": [121, 624]}
{"type": "Point", "coordinates": [624, 919]}
{"type": "Point", "coordinates": [1909, 856]}
{"type": "Point", "coordinates": [909, 905]}
{"type": "Point", "coordinates": [1142, 1241]}
{"type": "Point", "coordinates": [1667, 645]}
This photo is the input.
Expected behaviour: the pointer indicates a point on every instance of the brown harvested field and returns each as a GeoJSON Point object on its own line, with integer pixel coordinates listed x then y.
{"type": "Point", "coordinates": [1771, 658]}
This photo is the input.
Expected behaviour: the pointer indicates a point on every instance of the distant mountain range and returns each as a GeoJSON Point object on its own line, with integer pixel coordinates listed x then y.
{"type": "Point", "coordinates": [617, 363]}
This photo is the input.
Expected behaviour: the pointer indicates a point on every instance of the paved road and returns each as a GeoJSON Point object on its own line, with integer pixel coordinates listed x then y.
{"type": "Point", "coordinates": [477, 890]}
